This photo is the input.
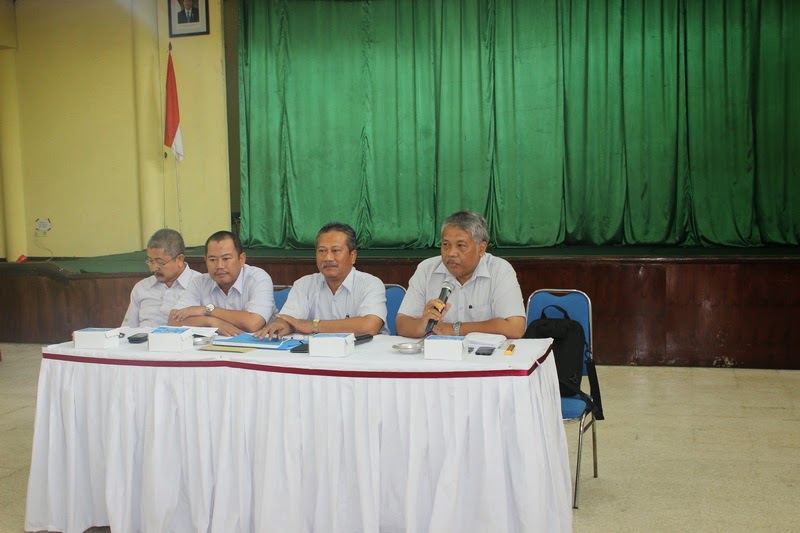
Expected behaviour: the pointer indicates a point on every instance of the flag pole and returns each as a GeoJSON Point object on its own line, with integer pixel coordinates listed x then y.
{"type": "Point", "coordinates": [178, 192]}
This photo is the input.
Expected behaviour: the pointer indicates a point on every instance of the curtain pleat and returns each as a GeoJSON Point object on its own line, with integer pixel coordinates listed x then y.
{"type": "Point", "coordinates": [598, 122]}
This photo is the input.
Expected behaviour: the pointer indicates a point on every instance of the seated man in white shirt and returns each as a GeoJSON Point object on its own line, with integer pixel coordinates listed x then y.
{"type": "Point", "coordinates": [153, 297]}
{"type": "Point", "coordinates": [233, 297]}
{"type": "Point", "coordinates": [486, 298]}
{"type": "Point", "coordinates": [338, 299]}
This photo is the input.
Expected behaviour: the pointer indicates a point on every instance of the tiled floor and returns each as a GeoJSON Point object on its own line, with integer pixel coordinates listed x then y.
{"type": "Point", "coordinates": [682, 449]}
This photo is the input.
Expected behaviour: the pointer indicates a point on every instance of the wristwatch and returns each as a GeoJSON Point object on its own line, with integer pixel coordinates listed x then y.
{"type": "Point", "coordinates": [457, 328]}
{"type": "Point", "coordinates": [210, 308]}
{"type": "Point", "coordinates": [315, 326]}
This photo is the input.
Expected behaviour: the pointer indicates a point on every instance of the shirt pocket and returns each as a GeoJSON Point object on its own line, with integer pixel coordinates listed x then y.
{"type": "Point", "coordinates": [479, 313]}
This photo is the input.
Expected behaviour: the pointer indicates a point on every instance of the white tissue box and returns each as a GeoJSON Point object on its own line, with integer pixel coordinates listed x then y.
{"type": "Point", "coordinates": [170, 339]}
{"type": "Point", "coordinates": [445, 347]}
{"type": "Point", "coordinates": [96, 338]}
{"type": "Point", "coordinates": [331, 344]}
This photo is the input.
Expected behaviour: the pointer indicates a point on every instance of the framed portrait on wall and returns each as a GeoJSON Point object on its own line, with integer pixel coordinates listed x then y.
{"type": "Point", "coordinates": [188, 17]}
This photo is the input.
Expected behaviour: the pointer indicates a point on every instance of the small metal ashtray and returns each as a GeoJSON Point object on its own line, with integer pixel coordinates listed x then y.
{"type": "Point", "coordinates": [200, 340]}
{"type": "Point", "coordinates": [408, 347]}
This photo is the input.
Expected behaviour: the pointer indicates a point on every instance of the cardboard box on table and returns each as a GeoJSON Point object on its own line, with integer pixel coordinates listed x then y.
{"type": "Point", "coordinates": [447, 347]}
{"type": "Point", "coordinates": [96, 338]}
{"type": "Point", "coordinates": [170, 339]}
{"type": "Point", "coordinates": [331, 344]}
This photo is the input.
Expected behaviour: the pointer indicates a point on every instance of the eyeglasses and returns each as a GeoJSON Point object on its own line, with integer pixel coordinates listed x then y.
{"type": "Point", "coordinates": [160, 263]}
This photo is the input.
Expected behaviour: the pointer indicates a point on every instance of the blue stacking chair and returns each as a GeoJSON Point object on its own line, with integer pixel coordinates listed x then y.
{"type": "Point", "coordinates": [394, 297]}
{"type": "Point", "coordinates": [574, 408]}
{"type": "Point", "coordinates": [280, 292]}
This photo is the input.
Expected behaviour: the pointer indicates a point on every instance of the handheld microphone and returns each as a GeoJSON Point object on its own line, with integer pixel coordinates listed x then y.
{"type": "Point", "coordinates": [447, 288]}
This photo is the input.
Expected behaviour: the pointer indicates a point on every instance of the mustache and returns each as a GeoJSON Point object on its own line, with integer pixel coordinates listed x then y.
{"type": "Point", "coordinates": [330, 264]}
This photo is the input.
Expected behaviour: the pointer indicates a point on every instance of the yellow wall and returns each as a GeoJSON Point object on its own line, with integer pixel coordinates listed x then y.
{"type": "Point", "coordinates": [8, 28]}
{"type": "Point", "coordinates": [89, 78]}
{"type": "Point", "coordinates": [10, 167]}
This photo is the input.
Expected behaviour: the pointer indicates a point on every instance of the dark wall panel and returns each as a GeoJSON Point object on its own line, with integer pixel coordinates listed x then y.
{"type": "Point", "coordinates": [723, 314]}
{"type": "Point", "coordinates": [648, 311]}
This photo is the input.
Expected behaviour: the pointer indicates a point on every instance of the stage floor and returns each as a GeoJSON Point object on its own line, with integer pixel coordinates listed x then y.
{"type": "Point", "coordinates": [132, 262]}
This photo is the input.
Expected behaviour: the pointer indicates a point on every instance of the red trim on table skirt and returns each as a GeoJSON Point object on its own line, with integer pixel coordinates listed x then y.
{"type": "Point", "coordinates": [304, 371]}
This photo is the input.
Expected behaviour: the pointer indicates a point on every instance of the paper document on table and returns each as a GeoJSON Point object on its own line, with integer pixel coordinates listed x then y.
{"type": "Point", "coordinates": [476, 340]}
{"type": "Point", "coordinates": [199, 331]}
{"type": "Point", "coordinates": [246, 340]}
{"type": "Point", "coordinates": [217, 348]}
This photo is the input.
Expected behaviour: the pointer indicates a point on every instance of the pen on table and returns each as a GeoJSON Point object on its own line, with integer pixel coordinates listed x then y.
{"type": "Point", "coordinates": [510, 349]}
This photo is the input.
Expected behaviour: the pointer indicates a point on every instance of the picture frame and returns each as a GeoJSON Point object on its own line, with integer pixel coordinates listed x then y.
{"type": "Point", "coordinates": [188, 17]}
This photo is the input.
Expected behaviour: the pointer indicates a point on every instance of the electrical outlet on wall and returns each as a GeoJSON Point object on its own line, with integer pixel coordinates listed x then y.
{"type": "Point", "coordinates": [43, 225]}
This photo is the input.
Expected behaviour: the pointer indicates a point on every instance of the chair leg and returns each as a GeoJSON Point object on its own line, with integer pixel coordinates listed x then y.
{"type": "Point", "coordinates": [581, 430]}
{"type": "Point", "coordinates": [576, 488]}
{"type": "Point", "coordinates": [594, 444]}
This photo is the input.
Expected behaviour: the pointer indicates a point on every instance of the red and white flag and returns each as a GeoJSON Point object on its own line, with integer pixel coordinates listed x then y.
{"type": "Point", "coordinates": [172, 117]}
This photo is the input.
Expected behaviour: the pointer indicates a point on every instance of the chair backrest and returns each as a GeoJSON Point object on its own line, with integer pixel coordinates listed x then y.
{"type": "Point", "coordinates": [280, 292]}
{"type": "Point", "coordinates": [394, 297]}
{"type": "Point", "coordinates": [573, 301]}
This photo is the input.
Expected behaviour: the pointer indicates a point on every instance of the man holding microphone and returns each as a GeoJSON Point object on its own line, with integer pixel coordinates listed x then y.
{"type": "Point", "coordinates": [485, 294]}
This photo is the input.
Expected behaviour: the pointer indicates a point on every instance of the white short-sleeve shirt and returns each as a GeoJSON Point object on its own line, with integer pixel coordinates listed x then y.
{"type": "Point", "coordinates": [360, 294]}
{"type": "Point", "coordinates": [252, 292]}
{"type": "Point", "coordinates": [152, 300]}
{"type": "Point", "coordinates": [492, 292]}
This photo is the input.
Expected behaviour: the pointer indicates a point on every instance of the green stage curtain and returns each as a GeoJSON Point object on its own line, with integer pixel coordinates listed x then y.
{"type": "Point", "coordinates": [564, 122]}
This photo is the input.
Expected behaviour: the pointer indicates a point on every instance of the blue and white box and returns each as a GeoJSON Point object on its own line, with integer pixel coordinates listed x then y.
{"type": "Point", "coordinates": [447, 347]}
{"type": "Point", "coordinates": [96, 338]}
{"type": "Point", "coordinates": [331, 344]}
{"type": "Point", "coordinates": [170, 339]}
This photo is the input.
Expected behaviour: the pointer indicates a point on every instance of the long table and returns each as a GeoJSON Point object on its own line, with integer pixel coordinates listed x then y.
{"type": "Point", "coordinates": [272, 441]}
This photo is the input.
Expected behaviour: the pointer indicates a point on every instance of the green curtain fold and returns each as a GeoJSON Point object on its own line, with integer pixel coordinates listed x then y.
{"type": "Point", "coordinates": [564, 122]}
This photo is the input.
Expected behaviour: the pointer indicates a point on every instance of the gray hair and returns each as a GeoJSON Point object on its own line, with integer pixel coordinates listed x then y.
{"type": "Point", "coordinates": [471, 222]}
{"type": "Point", "coordinates": [168, 240]}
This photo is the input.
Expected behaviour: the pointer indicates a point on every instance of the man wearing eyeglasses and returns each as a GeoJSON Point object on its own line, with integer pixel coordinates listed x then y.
{"type": "Point", "coordinates": [154, 297]}
{"type": "Point", "coordinates": [233, 297]}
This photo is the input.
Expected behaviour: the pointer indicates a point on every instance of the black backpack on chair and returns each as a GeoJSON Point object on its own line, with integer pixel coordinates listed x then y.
{"type": "Point", "coordinates": [569, 348]}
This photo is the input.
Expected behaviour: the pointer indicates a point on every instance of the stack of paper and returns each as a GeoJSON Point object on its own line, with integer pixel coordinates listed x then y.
{"type": "Point", "coordinates": [246, 340]}
{"type": "Point", "coordinates": [476, 340]}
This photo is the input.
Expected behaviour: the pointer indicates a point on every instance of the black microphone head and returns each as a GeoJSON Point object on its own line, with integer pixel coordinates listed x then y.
{"type": "Point", "coordinates": [447, 288]}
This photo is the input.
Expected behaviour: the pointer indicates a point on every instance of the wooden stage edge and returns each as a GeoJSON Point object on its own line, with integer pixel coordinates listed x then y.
{"type": "Point", "coordinates": [709, 311]}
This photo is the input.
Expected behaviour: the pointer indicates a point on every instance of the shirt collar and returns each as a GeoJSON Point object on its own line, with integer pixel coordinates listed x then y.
{"type": "Point", "coordinates": [238, 284]}
{"type": "Point", "coordinates": [481, 271]}
{"type": "Point", "coordinates": [185, 277]}
{"type": "Point", "coordinates": [153, 280]}
{"type": "Point", "coordinates": [348, 282]}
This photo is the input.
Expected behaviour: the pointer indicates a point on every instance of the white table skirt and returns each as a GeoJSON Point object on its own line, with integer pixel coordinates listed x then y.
{"type": "Point", "coordinates": [232, 447]}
